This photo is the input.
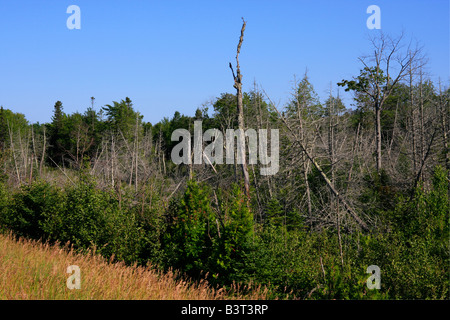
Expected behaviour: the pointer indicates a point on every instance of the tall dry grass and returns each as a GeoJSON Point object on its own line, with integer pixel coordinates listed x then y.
{"type": "Point", "coordinates": [32, 270]}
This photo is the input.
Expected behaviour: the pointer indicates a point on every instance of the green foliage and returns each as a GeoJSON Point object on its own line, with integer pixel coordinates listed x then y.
{"type": "Point", "coordinates": [426, 214]}
{"type": "Point", "coordinates": [82, 215]}
{"type": "Point", "coordinates": [5, 200]}
{"type": "Point", "coordinates": [87, 210]}
{"type": "Point", "coordinates": [362, 83]}
{"type": "Point", "coordinates": [34, 210]}
{"type": "Point", "coordinates": [79, 130]}
{"type": "Point", "coordinates": [96, 218]}
{"type": "Point", "coordinates": [198, 240]}
{"type": "Point", "coordinates": [333, 106]}
{"type": "Point", "coordinates": [305, 101]}
{"type": "Point", "coordinates": [418, 244]}
{"type": "Point", "coordinates": [228, 262]}
{"type": "Point", "coordinates": [57, 135]}
{"type": "Point", "coordinates": [280, 260]}
{"type": "Point", "coordinates": [14, 121]}
{"type": "Point", "coordinates": [274, 213]}
{"type": "Point", "coordinates": [225, 109]}
{"type": "Point", "coordinates": [162, 131]}
{"type": "Point", "coordinates": [189, 237]}
{"type": "Point", "coordinates": [122, 118]}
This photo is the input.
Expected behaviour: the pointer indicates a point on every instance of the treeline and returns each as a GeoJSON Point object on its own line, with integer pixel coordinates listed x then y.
{"type": "Point", "coordinates": [356, 187]}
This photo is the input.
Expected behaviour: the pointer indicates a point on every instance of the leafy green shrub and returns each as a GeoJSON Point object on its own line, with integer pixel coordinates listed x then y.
{"type": "Point", "coordinates": [85, 213]}
{"type": "Point", "coordinates": [93, 217]}
{"type": "Point", "coordinates": [34, 211]}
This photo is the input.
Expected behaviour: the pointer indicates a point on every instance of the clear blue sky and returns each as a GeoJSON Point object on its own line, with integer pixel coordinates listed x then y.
{"type": "Point", "coordinates": [173, 55]}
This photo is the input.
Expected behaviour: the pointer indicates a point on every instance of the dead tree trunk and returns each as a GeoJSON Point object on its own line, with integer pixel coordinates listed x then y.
{"type": "Point", "coordinates": [41, 164]}
{"type": "Point", "coordinates": [413, 121]}
{"type": "Point", "coordinates": [378, 135]}
{"type": "Point", "coordinates": [13, 153]}
{"type": "Point", "coordinates": [240, 108]}
{"type": "Point", "coordinates": [422, 121]}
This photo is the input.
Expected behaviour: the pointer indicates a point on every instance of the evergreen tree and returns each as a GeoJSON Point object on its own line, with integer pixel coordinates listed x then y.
{"type": "Point", "coordinates": [121, 117]}
{"type": "Point", "coordinates": [189, 237]}
{"type": "Point", "coordinates": [57, 137]}
{"type": "Point", "coordinates": [305, 100]}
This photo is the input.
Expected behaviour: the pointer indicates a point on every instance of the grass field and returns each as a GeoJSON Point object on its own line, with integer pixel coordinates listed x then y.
{"type": "Point", "coordinates": [32, 270]}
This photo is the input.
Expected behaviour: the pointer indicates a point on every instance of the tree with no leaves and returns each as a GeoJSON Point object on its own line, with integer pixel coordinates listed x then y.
{"type": "Point", "coordinates": [240, 106]}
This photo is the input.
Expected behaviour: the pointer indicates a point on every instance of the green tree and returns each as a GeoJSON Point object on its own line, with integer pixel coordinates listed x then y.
{"type": "Point", "coordinates": [306, 101]}
{"type": "Point", "coordinates": [121, 117]}
{"type": "Point", "coordinates": [163, 130]}
{"type": "Point", "coordinates": [228, 262]}
{"type": "Point", "coordinates": [189, 236]}
{"type": "Point", "coordinates": [57, 135]}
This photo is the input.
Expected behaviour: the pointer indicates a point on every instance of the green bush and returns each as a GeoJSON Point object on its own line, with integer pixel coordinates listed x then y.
{"type": "Point", "coordinates": [34, 211]}
{"type": "Point", "coordinates": [85, 222]}
{"type": "Point", "coordinates": [94, 218]}
{"type": "Point", "coordinates": [279, 259]}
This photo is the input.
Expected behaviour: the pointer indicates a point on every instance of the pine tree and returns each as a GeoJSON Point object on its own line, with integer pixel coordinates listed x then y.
{"type": "Point", "coordinates": [56, 135]}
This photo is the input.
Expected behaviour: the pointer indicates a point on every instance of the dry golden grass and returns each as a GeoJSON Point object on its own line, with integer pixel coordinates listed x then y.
{"type": "Point", "coordinates": [32, 270]}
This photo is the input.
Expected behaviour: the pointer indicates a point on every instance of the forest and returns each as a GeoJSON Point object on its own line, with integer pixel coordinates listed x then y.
{"type": "Point", "coordinates": [358, 185]}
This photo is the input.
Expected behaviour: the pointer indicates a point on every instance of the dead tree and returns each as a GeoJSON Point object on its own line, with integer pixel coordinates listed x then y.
{"type": "Point", "coordinates": [240, 108]}
{"type": "Point", "coordinates": [330, 184]}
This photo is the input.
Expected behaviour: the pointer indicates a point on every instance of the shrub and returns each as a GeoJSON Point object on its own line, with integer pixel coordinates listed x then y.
{"type": "Point", "coordinates": [35, 211]}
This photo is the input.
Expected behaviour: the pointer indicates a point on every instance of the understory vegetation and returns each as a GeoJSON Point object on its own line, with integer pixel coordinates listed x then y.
{"type": "Point", "coordinates": [411, 248]}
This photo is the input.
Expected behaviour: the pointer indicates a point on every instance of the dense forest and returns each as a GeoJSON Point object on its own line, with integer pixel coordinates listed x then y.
{"type": "Point", "coordinates": [359, 185]}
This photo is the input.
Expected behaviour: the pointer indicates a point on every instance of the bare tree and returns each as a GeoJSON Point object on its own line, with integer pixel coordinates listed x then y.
{"type": "Point", "coordinates": [240, 106]}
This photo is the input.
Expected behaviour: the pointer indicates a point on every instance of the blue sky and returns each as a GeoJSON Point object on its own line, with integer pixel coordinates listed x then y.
{"type": "Point", "coordinates": [174, 55]}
